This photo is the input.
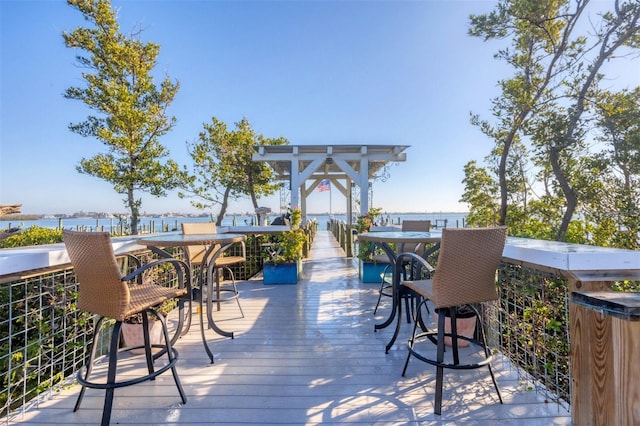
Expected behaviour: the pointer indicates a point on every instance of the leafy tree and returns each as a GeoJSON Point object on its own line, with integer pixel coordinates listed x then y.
{"type": "Point", "coordinates": [131, 110]}
{"type": "Point", "coordinates": [480, 190]}
{"type": "Point", "coordinates": [533, 36]}
{"type": "Point", "coordinates": [619, 28]}
{"type": "Point", "coordinates": [619, 121]}
{"type": "Point", "coordinates": [224, 169]}
{"type": "Point", "coordinates": [549, 99]}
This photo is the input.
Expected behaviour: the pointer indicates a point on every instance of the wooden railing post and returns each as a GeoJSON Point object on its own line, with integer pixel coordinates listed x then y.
{"type": "Point", "coordinates": [604, 329]}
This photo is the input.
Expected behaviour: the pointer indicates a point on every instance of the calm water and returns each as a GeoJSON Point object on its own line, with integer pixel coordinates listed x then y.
{"type": "Point", "coordinates": [159, 224]}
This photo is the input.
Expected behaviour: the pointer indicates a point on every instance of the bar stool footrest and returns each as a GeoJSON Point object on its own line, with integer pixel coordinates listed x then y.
{"type": "Point", "coordinates": [432, 336]}
{"type": "Point", "coordinates": [233, 296]}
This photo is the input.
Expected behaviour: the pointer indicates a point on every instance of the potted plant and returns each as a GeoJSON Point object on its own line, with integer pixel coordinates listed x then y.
{"type": "Point", "coordinates": [465, 324]}
{"type": "Point", "coordinates": [283, 264]}
{"type": "Point", "coordinates": [370, 264]}
{"type": "Point", "coordinates": [132, 332]}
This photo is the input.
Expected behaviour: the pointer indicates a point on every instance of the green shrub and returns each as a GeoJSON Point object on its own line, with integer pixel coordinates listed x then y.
{"type": "Point", "coordinates": [33, 236]}
{"type": "Point", "coordinates": [626, 285]}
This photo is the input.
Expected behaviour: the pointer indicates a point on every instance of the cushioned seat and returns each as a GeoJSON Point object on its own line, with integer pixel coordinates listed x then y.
{"type": "Point", "coordinates": [105, 292]}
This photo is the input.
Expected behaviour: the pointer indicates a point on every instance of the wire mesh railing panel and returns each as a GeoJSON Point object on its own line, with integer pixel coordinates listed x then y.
{"type": "Point", "coordinates": [530, 325]}
{"type": "Point", "coordinates": [255, 255]}
{"type": "Point", "coordinates": [43, 338]}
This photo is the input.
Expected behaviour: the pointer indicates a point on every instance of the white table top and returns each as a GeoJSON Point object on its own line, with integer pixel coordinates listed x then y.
{"type": "Point", "coordinates": [167, 240]}
{"type": "Point", "coordinates": [400, 237]}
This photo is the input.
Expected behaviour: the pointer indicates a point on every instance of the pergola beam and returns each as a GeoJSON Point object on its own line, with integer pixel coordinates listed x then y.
{"type": "Point", "coordinates": [339, 163]}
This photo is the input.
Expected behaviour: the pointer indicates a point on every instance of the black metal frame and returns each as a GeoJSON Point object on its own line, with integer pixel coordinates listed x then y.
{"type": "Point", "coordinates": [438, 337]}
{"type": "Point", "coordinates": [399, 291]}
{"type": "Point", "coordinates": [114, 350]}
{"type": "Point", "coordinates": [219, 298]}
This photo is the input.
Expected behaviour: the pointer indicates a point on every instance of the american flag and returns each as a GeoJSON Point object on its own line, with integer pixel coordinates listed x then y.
{"type": "Point", "coordinates": [325, 185]}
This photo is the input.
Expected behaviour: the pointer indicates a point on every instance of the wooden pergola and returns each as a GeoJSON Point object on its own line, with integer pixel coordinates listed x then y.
{"type": "Point", "coordinates": [345, 166]}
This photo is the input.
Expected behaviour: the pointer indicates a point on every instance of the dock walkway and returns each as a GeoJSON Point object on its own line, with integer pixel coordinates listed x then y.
{"type": "Point", "coordinates": [306, 354]}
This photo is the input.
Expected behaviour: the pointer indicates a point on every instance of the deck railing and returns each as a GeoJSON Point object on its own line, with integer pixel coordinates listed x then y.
{"type": "Point", "coordinates": [530, 325]}
{"type": "Point", "coordinates": [42, 338]}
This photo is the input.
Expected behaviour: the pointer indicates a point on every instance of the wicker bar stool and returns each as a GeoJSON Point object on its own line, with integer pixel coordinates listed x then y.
{"type": "Point", "coordinates": [465, 275]}
{"type": "Point", "coordinates": [105, 292]}
{"type": "Point", "coordinates": [195, 254]}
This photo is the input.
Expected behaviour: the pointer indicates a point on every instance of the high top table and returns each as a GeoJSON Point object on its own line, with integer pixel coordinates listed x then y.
{"type": "Point", "coordinates": [217, 244]}
{"type": "Point", "coordinates": [384, 239]}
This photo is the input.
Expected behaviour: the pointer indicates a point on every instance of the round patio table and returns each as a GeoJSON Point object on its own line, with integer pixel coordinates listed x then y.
{"type": "Point", "coordinates": [217, 244]}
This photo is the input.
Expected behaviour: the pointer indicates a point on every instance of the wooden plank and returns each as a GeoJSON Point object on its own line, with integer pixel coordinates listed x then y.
{"type": "Point", "coordinates": [605, 384]}
{"type": "Point", "coordinates": [626, 341]}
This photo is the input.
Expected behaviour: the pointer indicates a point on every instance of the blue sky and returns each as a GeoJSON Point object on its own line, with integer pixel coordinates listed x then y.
{"type": "Point", "coordinates": [314, 72]}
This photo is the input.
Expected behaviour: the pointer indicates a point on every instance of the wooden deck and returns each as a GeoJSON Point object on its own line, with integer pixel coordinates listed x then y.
{"type": "Point", "coordinates": [306, 354]}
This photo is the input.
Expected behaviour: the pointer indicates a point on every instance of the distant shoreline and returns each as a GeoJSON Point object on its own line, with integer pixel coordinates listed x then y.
{"type": "Point", "coordinates": [21, 216]}
{"type": "Point", "coordinates": [172, 221]}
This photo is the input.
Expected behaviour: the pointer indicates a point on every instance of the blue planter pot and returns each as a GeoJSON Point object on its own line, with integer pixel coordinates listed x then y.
{"type": "Point", "coordinates": [370, 271]}
{"type": "Point", "coordinates": [281, 273]}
